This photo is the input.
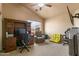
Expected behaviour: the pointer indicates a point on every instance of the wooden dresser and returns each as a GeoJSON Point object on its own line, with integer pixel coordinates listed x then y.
{"type": "Point", "coordinates": [10, 44]}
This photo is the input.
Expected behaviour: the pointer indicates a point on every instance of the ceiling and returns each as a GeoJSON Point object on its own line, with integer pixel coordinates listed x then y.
{"type": "Point", "coordinates": [55, 10]}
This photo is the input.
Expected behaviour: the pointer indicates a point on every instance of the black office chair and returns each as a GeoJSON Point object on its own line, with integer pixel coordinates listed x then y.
{"type": "Point", "coordinates": [65, 40]}
{"type": "Point", "coordinates": [22, 39]}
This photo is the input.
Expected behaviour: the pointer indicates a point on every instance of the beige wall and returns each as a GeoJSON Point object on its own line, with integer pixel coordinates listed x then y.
{"type": "Point", "coordinates": [0, 29]}
{"type": "Point", "coordinates": [76, 20]}
{"type": "Point", "coordinates": [58, 24]}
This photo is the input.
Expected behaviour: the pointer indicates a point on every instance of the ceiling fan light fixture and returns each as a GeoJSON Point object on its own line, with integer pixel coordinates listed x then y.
{"type": "Point", "coordinates": [41, 4]}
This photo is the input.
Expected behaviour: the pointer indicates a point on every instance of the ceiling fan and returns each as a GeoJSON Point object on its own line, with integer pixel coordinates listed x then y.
{"type": "Point", "coordinates": [71, 16]}
{"type": "Point", "coordinates": [76, 15]}
{"type": "Point", "coordinates": [40, 5]}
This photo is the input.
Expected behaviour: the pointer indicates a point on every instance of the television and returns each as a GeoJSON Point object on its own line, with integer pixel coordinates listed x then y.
{"type": "Point", "coordinates": [22, 31]}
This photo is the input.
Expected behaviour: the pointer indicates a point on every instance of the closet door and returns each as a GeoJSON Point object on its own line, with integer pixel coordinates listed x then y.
{"type": "Point", "coordinates": [9, 27]}
{"type": "Point", "coordinates": [9, 41]}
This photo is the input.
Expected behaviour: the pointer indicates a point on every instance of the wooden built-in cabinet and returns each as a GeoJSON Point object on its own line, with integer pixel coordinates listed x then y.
{"type": "Point", "coordinates": [9, 25]}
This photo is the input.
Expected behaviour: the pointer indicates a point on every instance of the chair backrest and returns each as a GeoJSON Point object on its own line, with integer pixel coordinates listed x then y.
{"type": "Point", "coordinates": [22, 35]}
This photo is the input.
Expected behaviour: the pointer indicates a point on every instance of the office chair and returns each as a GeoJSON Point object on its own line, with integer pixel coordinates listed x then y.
{"type": "Point", "coordinates": [22, 39]}
{"type": "Point", "coordinates": [65, 40]}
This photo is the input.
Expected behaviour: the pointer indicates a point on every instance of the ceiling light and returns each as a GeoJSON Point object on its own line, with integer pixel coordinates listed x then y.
{"type": "Point", "coordinates": [41, 4]}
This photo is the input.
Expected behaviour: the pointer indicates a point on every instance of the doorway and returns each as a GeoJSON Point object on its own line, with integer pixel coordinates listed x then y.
{"type": "Point", "coordinates": [34, 26]}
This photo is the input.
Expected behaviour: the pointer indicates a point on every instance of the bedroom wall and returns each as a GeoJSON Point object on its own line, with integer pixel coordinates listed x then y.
{"type": "Point", "coordinates": [76, 20]}
{"type": "Point", "coordinates": [58, 24]}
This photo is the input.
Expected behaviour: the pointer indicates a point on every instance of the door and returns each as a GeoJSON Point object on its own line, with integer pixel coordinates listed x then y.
{"type": "Point", "coordinates": [9, 41]}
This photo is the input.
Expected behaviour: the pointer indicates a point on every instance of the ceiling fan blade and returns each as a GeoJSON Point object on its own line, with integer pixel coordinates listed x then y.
{"type": "Point", "coordinates": [48, 5]}
{"type": "Point", "coordinates": [70, 15]}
